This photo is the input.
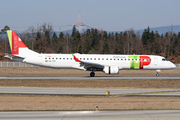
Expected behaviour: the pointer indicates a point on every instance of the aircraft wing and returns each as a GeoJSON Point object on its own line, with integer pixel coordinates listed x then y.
{"type": "Point", "coordinates": [88, 65]}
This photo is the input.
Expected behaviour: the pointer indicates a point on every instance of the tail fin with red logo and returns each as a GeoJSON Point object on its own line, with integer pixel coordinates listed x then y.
{"type": "Point", "coordinates": [18, 48]}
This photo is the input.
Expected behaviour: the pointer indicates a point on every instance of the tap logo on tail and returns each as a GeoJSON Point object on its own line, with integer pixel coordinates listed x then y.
{"type": "Point", "coordinates": [15, 42]}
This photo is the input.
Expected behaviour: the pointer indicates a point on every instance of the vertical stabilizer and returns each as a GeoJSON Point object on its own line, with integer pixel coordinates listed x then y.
{"type": "Point", "coordinates": [18, 48]}
{"type": "Point", "coordinates": [15, 42]}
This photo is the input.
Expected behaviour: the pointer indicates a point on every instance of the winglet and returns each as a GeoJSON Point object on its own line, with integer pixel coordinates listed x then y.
{"type": "Point", "coordinates": [75, 58]}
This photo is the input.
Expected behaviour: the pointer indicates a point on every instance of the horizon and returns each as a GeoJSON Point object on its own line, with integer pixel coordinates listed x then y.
{"type": "Point", "coordinates": [161, 30]}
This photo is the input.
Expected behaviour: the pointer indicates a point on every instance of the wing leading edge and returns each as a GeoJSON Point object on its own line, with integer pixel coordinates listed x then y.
{"type": "Point", "coordinates": [88, 65]}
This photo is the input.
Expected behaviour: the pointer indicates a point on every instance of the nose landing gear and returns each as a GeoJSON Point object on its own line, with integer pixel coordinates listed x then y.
{"type": "Point", "coordinates": [157, 73]}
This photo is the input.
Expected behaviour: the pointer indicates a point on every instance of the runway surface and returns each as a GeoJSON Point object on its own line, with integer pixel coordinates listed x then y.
{"type": "Point", "coordinates": [86, 92]}
{"type": "Point", "coordinates": [93, 78]}
{"type": "Point", "coordinates": [94, 115]}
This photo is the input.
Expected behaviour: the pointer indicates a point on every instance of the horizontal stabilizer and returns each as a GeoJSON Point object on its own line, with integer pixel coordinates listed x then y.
{"type": "Point", "coordinates": [13, 57]}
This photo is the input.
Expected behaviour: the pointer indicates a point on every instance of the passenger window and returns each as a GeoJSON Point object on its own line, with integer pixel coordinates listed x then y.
{"type": "Point", "coordinates": [70, 58]}
{"type": "Point", "coordinates": [110, 58]}
{"type": "Point", "coordinates": [125, 59]}
{"type": "Point", "coordinates": [114, 59]}
{"type": "Point", "coordinates": [94, 58]}
{"type": "Point", "coordinates": [60, 58]}
{"type": "Point", "coordinates": [106, 58]}
{"type": "Point", "coordinates": [102, 58]}
{"type": "Point", "coordinates": [136, 59]}
{"type": "Point", "coordinates": [83, 58]}
{"type": "Point", "coordinates": [98, 58]}
{"type": "Point", "coordinates": [132, 59]}
{"type": "Point", "coordinates": [56, 58]}
{"type": "Point", "coordinates": [117, 59]}
{"type": "Point", "coordinates": [67, 58]}
{"type": "Point", "coordinates": [87, 58]}
{"type": "Point", "coordinates": [121, 59]}
{"type": "Point", "coordinates": [49, 58]}
{"type": "Point", "coordinates": [90, 58]}
{"type": "Point", "coordinates": [129, 59]}
{"type": "Point", "coordinates": [63, 58]}
{"type": "Point", "coordinates": [53, 58]}
{"type": "Point", "coordinates": [45, 58]}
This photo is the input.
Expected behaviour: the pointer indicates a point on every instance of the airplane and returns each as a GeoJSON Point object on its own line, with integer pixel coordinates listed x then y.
{"type": "Point", "coordinates": [107, 63]}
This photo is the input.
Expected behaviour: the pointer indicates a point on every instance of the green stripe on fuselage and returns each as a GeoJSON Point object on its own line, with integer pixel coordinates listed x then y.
{"type": "Point", "coordinates": [134, 61]}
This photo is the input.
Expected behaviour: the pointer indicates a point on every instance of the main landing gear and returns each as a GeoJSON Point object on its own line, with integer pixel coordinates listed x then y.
{"type": "Point", "coordinates": [92, 74]}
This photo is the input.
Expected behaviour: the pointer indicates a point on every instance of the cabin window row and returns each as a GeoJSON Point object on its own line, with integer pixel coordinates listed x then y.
{"type": "Point", "coordinates": [99, 59]}
{"type": "Point", "coordinates": [60, 58]}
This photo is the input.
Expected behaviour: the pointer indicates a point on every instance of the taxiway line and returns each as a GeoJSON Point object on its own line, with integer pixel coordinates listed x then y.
{"type": "Point", "coordinates": [86, 92]}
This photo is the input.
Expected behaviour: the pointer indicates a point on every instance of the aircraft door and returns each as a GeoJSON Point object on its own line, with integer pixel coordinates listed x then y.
{"type": "Point", "coordinates": [40, 59]}
{"type": "Point", "coordinates": [155, 61]}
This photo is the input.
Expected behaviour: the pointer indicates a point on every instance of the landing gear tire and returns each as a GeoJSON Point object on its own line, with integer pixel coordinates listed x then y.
{"type": "Point", "coordinates": [92, 74]}
{"type": "Point", "coordinates": [157, 74]}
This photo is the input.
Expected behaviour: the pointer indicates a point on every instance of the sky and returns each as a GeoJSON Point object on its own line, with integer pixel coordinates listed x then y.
{"type": "Point", "coordinates": [109, 15]}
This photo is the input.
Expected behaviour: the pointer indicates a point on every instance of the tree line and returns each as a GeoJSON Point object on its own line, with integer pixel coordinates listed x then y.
{"type": "Point", "coordinates": [45, 40]}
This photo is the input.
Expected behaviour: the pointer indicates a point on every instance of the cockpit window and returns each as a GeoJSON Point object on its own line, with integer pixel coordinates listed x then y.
{"type": "Point", "coordinates": [164, 59]}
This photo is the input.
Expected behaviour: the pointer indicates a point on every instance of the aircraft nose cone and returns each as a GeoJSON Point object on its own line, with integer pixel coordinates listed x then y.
{"type": "Point", "coordinates": [173, 65]}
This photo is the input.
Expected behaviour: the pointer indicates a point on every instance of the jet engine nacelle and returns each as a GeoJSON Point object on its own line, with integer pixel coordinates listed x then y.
{"type": "Point", "coordinates": [111, 70]}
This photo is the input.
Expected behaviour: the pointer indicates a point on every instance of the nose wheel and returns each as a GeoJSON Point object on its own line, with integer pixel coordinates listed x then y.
{"type": "Point", "coordinates": [92, 74]}
{"type": "Point", "coordinates": [157, 74]}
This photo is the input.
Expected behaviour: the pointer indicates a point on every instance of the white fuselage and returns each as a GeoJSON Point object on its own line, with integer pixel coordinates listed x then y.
{"type": "Point", "coordinates": [66, 61]}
